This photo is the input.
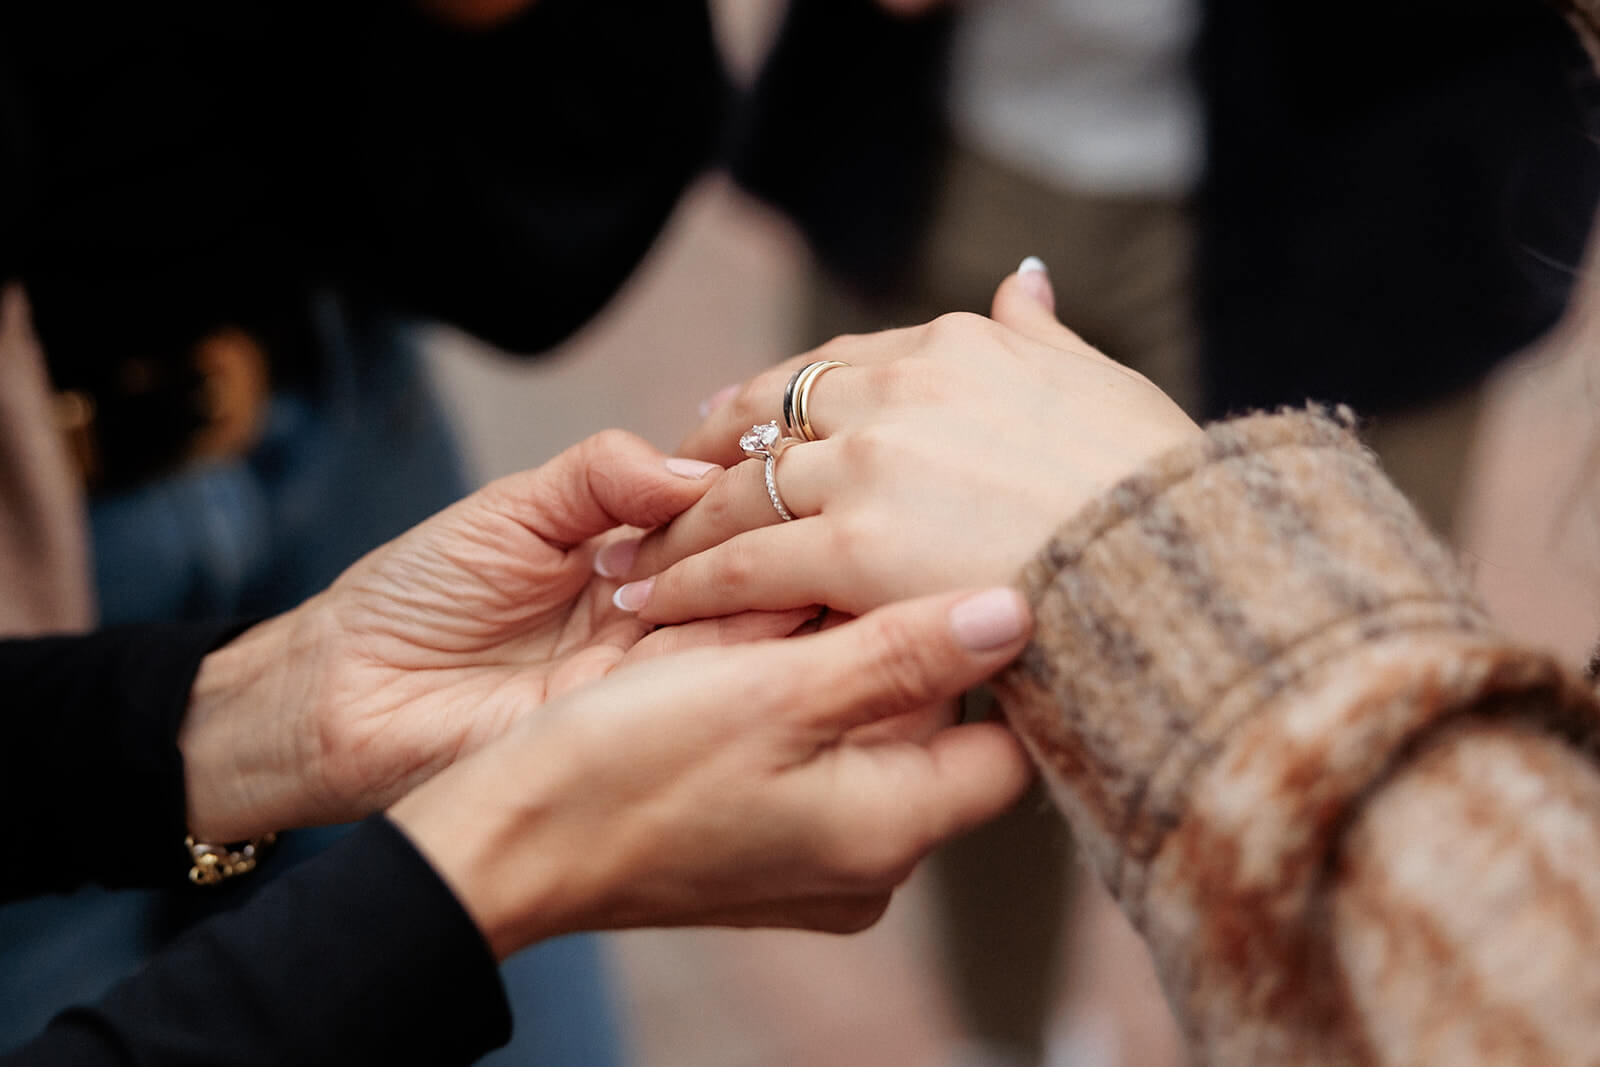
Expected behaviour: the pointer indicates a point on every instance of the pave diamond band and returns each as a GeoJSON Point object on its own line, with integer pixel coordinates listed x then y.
{"type": "Point", "coordinates": [772, 489]}
{"type": "Point", "coordinates": [767, 442]}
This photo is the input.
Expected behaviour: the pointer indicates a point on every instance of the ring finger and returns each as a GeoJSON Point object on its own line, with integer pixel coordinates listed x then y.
{"type": "Point", "coordinates": [837, 397]}
{"type": "Point", "coordinates": [738, 502]}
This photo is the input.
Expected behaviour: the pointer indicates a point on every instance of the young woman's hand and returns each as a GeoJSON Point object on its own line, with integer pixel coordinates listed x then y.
{"type": "Point", "coordinates": [948, 453]}
{"type": "Point", "coordinates": [743, 786]}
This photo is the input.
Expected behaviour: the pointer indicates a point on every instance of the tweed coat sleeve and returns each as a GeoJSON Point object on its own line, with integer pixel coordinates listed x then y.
{"type": "Point", "coordinates": [1353, 823]}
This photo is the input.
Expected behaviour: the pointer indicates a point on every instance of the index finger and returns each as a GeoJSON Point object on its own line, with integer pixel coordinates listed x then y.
{"type": "Point", "coordinates": [898, 658]}
{"type": "Point", "coordinates": [610, 479]}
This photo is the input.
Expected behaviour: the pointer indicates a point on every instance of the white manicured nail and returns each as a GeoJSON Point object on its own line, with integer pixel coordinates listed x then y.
{"type": "Point", "coordinates": [616, 559]}
{"type": "Point", "coordinates": [690, 468]}
{"type": "Point", "coordinates": [632, 597]}
{"type": "Point", "coordinates": [1034, 277]}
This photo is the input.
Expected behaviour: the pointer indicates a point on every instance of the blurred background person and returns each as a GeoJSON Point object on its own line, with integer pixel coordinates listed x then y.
{"type": "Point", "coordinates": [1221, 209]}
{"type": "Point", "coordinates": [1397, 199]}
{"type": "Point", "coordinates": [227, 225]}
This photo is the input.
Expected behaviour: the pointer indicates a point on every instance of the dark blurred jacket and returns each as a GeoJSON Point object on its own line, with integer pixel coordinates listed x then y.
{"type": "Point", "coordinates": [174, 167]}
{"type": "Point", "coordinates": [842, 131]}
{"type": "Point", "coordinates": [1398, 194]}
{"type": "Point", "coordinates": [1397, 191]}
{"type": "Point", "coordinates": [359, 956]}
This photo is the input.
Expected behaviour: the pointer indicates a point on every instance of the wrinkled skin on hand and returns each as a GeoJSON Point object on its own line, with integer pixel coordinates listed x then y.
{"type": "Point", "coordinates": [432, 645]}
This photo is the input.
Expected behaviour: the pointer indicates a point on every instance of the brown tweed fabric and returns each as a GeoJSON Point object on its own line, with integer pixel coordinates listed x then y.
{"type": "Point", "coordinates": [1243, 654]}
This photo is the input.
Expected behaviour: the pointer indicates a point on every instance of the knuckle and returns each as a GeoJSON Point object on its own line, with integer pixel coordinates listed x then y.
{"type": "Point", "coordinates": [839, 348]}
{"type": "Point", "coordinates": [857, 543]}
{"type": "Point", "coordinates": [503, 496]}
{"type": "Point", "coordinates": [876, 385]}
{"type": "Point", "coordinates": [923, 380]}
{"type": "Point", "coordinates": [869, 449]}
{"type": "Point", "coordinates": [718, 506]}
{"type": "Point", "coordinates": [955, 327]}
{"type": "Point", "coordinates": [728, 508]}
{"type": "Point", "coordinates": [844, 536]}
{"type": "Point", "coordinates": [901, 671]}
{"type": "Point", "coordinates": [610, 441]}
{"type": "Point", "coordinates": [734, 571]}
{"type": "Point", "coordinates": [902, 380]}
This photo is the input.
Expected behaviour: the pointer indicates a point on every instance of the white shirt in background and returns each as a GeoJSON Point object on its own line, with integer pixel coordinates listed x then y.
{"type": "Point", "coordinates": [1092, 95]}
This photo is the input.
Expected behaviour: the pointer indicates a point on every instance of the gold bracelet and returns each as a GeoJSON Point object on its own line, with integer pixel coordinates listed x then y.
{"type": "Point", "coordinates": [214, 864]}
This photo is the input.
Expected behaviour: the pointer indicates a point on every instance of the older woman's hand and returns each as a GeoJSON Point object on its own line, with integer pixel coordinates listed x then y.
{"type": "Point", "coordinates": [744, 786]}
{"type": "Point", "coordinates": [433, 645]}
{"type": "Point", "coordinates": [948, 453]}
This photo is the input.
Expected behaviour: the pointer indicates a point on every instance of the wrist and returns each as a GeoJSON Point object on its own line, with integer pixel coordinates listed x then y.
{"type": "Point", "coordinates": [487, 827]}
{"type": "Point", "coordinates": [242, 763]}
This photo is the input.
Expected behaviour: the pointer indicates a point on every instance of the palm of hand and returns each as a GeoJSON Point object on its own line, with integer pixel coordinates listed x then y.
{"type": "Point", "coordinates": [430, 647]}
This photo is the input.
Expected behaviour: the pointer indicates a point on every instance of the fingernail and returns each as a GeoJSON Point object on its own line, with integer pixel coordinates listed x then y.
{"type": "Point", "coordinates": [616, 559]}
{"type": "Point", "coordinates": [717, 399]}
{"type": "Point", "coordinates": [632, 597]}
{"type": "Point", "coordinates": [1034, 277]}
{"type": "Point", "coordinates": [690, 468]}
{"type": "Point", "coordinates": [987, 620]}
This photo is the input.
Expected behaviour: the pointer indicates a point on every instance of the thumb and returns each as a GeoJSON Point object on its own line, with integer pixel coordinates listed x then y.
{"type": "Point", "coordinates": [1025, 301]}
{"type": "Point", "coordinates": [902, 656]}
{"type": "Point", "coordinates": [613, 478]}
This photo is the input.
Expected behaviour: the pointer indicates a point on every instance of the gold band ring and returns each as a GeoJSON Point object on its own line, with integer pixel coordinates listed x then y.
{"type": "Point", "coordinates": [796, 395]}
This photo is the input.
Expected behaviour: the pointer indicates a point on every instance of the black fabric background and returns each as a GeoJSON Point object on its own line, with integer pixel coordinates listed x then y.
{"type": "Point", "coordinates": [1398, 195]}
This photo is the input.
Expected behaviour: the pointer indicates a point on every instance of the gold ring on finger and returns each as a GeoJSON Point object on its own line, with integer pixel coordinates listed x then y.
{"type": "Point", "coordinates": [797, 395]}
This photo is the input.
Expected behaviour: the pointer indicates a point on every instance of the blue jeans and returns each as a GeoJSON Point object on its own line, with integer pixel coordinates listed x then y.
{"type": "Point", "coordinates": [343, 466]}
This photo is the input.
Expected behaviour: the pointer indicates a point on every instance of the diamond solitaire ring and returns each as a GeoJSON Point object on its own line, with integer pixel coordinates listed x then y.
{"type": "Point", "coordinates": [767, 442]}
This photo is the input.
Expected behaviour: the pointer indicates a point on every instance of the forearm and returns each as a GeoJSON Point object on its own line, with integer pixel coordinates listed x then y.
{"type": "Point", "coordinates": [513, 876]}
{"type": "Point", "coordinates": [360, 955]}
{"type": "Point", "coordinates": [1464, 898]}
{"type": "Point", "coordinates": [92, 773]}
{"type": "Point", "coordinates": [1235, 649]}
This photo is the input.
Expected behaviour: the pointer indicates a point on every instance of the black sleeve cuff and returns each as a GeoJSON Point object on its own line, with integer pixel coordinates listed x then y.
{"type": "Point", "coordinates": [92, 775]}
{"type": "Point", "coordinates": [360, 955]}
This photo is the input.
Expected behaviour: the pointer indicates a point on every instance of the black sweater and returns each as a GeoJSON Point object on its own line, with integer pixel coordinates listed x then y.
{"type": "Point", "coordinates": [361, 955]}
{"type": "Point", "coordinates": [166, 169]}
